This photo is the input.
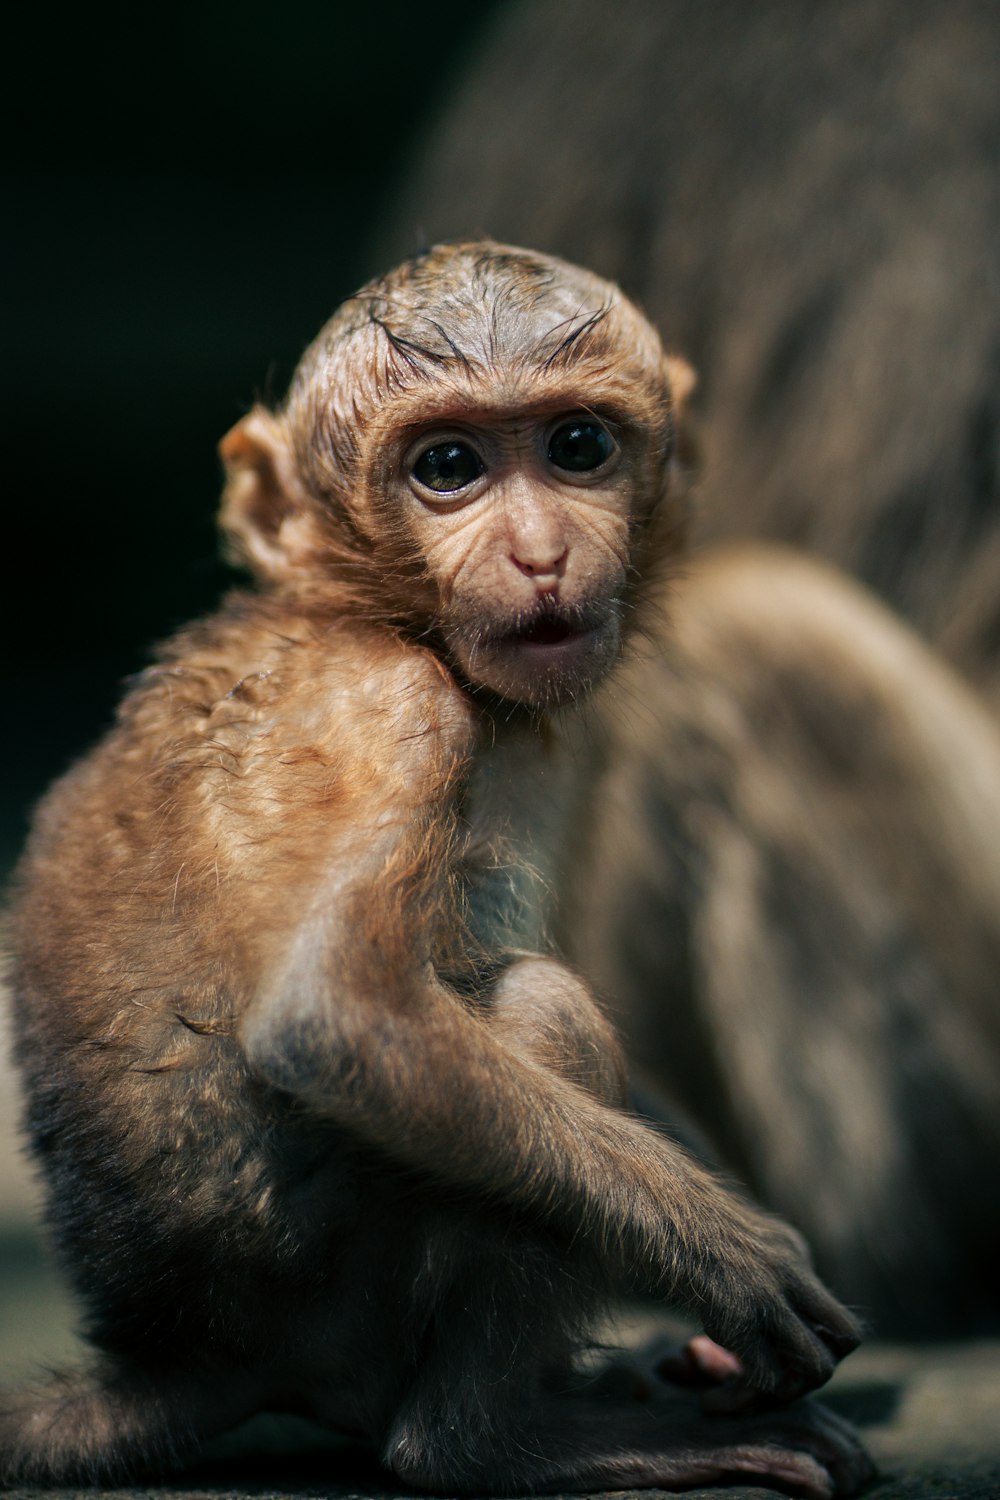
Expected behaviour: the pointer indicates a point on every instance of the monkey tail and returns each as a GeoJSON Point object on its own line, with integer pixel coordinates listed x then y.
{"type": "Point", "coordinates": [104, 1426]}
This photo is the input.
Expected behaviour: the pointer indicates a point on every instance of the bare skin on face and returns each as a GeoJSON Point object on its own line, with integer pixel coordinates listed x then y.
{"type": "Point", "coordinates": [290, 1016]}
{"type": "Point", "coordinates": [525, 523]}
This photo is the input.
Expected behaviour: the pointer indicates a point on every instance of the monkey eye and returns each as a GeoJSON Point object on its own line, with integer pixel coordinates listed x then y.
{"type": "Point", "coordinates": [447, 467]}
{"type": "Point", "coordinates": [580, 445]}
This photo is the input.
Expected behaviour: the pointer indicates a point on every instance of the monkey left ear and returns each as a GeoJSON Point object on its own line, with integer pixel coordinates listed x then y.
{"type": "Point", "coordinates": [264, 514]}
{"type": "Point", "coordinates": [682, 380]}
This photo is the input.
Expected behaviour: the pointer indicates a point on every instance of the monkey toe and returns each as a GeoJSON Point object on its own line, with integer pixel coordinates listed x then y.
{"type": "Point", "coordinates": [701, 1362]}
{"type": "Point", "coordinates": [804, 1450]}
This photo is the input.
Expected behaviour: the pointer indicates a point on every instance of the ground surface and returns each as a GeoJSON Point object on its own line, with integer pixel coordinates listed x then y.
{"type": "Point", "coordinates": [931, 1416]}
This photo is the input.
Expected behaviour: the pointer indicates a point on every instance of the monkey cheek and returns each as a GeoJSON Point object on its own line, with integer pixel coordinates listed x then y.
{"type": "Point", "coordinates": [536, 674]}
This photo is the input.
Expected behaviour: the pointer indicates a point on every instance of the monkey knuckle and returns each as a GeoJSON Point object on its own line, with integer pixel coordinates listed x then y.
{"type": "Point", "coordinates": [845, 1330]}
{"type": "Point", "coordinates": [781, 1241]}
{"type": "Point", "coordinates": [795, 1243]}
{"type": "Point", "coordinates": [562, 988]}
{"type": "Point", "coordinates": [823, 1364]}
{"type": "Point", "coordinates": [411, 1458]}
{"type": "Point", "coordinates": [283, 1050]}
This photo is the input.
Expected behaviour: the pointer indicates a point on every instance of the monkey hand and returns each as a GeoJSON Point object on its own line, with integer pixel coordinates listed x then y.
{"type": "Point", "coordinates": [769, 1308]}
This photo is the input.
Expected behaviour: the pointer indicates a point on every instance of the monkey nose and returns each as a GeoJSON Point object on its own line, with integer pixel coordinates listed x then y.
{"type": "Point", "coordinates": [544, 569]}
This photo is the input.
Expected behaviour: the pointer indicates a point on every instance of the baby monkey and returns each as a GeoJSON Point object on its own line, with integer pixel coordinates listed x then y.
{"type": "Point", "coordinates": [326, 1126]}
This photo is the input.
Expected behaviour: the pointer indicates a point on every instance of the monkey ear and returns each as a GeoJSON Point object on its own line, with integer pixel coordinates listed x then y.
{"type": "Point", "coordinates": [264, 511]}
{"type": "Point", "coordinates": [682, 380]}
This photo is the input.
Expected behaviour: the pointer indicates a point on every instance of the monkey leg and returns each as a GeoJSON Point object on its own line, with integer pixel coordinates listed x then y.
{"type": "Point", "coordinates": [493, 1410]}
{"type": "Point", "coordinates": [539, 1009]}
{"type": "Point", "coordinates": [113, 1424]}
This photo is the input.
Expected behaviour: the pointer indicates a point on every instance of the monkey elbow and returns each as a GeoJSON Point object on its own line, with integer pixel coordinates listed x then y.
{"type": "Point", "coordinates": [298, 1052]}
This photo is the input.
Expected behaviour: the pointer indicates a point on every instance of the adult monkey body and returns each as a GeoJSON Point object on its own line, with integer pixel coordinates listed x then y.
{"type": "Point", "coordinates": [797, 911]}
{"type": "Point", "coordinates": [324, 1126]}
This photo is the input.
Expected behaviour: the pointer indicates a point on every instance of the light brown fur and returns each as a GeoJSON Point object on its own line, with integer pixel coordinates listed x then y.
{"type": "Point", "coordinates": [326, 1122]}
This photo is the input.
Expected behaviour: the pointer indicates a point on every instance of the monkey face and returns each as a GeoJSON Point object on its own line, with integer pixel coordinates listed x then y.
{"type": "Point", "coordinates": [472, 451]}
{"type": "Point", "coordinates": [522, 520]}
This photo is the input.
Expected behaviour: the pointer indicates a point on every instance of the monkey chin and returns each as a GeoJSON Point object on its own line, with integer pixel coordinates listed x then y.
{"type": "Point", "coordinates": [547, 666]}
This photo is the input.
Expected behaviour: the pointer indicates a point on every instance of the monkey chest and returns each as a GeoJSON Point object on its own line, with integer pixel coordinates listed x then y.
{"type": "Point", "coordinates": [516, 813]}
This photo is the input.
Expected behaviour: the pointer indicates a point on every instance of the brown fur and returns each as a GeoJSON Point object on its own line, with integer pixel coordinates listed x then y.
{"type": "Point", "coordinates": [326, 1125]}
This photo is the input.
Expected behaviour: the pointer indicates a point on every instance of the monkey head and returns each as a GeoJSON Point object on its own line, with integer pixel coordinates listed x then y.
{"type": "Point", "coordinates": [473, 450]}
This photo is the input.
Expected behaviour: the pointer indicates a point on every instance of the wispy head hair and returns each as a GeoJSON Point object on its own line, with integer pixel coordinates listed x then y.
{"type": "Point", "coordinates": [473, 309]}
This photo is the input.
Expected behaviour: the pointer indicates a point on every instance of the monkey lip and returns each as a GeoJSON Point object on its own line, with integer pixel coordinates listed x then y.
{"type": "Point", "coordinates": [548, 645]}
{"type": "Point", "coordinates": [546, 657]}
{"type": "Point", "coordinates": [545, 632]}
{"type": "Point", "coordinates": [550, 632]}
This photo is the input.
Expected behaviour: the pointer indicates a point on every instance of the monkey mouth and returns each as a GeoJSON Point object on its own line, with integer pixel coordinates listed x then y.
{"type": "Point", "coordinates": [551, 656]}
{"type": "Point", "coordinates": [545, 656]}
{"type": "Point", "coordinates": [550, 629]}
{"type": "Point", "coordinates": [545, 632]}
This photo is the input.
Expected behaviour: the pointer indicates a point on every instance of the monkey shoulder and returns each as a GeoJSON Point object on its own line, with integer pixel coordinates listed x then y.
{"type": "Point", "coordinates": [246, 771]}
{"type": "Point", "coordinates": [248, 759]}
{"type": "Point", "coordinates": [264, 679]}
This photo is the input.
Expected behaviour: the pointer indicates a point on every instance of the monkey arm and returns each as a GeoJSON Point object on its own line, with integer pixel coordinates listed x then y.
{"type": "Point", "coordinates": [348, 1016]}
{"type": "Point", "coordinates": [424, 1077]}
{"type": "Point", "coordinates": [297, 850]}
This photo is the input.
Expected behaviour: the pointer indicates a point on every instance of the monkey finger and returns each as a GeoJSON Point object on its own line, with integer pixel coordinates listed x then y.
{"type": "Point", "coordinates": [782, 1359]}
{"type": "Point", "coordinates": [838, 1328]}
{"type": "Point", "coordinates": [775, 1380]}
{"type": "Point", "coordinates": [699, 1362]}
{"type": "Point", "coordinates": [801, 1343]}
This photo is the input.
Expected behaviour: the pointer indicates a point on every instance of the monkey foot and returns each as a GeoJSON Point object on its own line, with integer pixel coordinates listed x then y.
{"type": "Point", "coordinates": [666, 1443]}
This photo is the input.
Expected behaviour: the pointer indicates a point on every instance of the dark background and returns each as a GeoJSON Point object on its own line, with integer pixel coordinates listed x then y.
{"type": "Point", "coordinates": [190, 194]}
